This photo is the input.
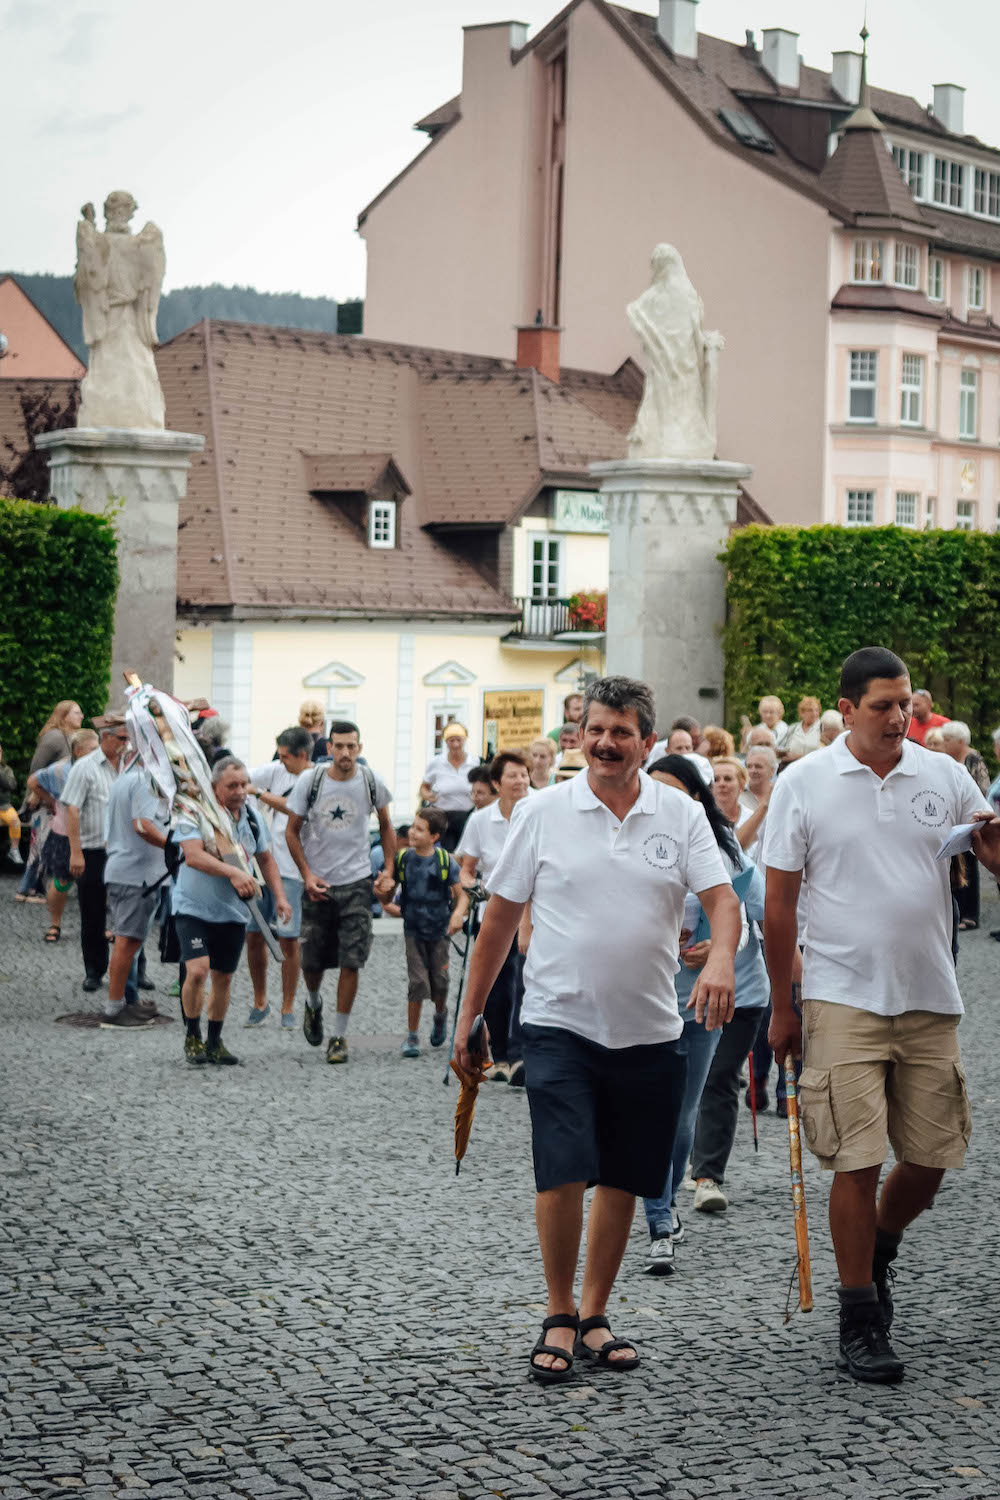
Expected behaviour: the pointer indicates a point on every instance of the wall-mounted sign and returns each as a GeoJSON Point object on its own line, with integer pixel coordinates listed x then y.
{"type": "Point", "coordinates": [967, 476]}
{"type": "Point", "coordinates": [511, 720]}
{"type": "Point", "coordinates": [578, 510]}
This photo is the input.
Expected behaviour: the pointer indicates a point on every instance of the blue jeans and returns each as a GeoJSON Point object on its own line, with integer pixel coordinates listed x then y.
{"type": "Point", "coordinates": [698, 1046]}
{"type": "Point", "coordinates": [32, 882]}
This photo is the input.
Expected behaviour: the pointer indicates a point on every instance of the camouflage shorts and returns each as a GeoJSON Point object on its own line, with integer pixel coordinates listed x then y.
{"type": "Point", "coordinates": [337, 931]}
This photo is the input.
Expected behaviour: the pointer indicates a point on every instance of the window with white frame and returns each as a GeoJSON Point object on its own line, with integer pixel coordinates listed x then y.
{"type": "Point", "coordinates": [976, 288]}
{"type": "Point", "coordinates": [935, 278]}
{"type": "Point", "coordinates": [930, 515]}
{"type": "Point", "coordinates": [949, 182]}
{"type": "Point", "coordinates": [863, 385]}
{"type": "Point", "coordinates": [907, 503]}
{"type": "Point", "coordinates": [439, 715]}
{"type": "Point", "coordinates": [382, 523]}
{"type": "Point", "coordinates": [968, 404]}
{"type": "Point", "coordinates": [911, 390]}
{"type": "Point", "coordinates": [546, 566]}
{"type": "Point", "coordinates": [965, 515]}
{"type": "Point", "coordinates": [906, 270]}
{"type": "Point", "coordinates": [867, 263]}
{"type": "Point", "coordinates": [911, 164]}
{"type": "Point", "coordinates": [861, 507]}
{"type": "Point", "coordinates": [986, 194]}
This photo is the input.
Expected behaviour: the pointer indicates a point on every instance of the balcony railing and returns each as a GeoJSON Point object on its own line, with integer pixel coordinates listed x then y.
{"type": "Point", "coordinates": [550, 619]}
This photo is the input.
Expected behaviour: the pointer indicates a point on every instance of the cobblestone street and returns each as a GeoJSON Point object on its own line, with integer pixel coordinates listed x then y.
{"type": "Point", "coordinates": [268, 1282]}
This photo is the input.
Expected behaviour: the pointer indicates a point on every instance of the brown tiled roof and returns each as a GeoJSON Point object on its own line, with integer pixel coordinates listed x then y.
{"type": "Point", "coordinates": [853, 297]}
{"type": "Point", "coordinates": [613, 398]}
{"type": "Point", "coordinates": [862, 174]}
{"type": "Point", "coordinates": [351, 473]}
{"type": "Point", "coordinates": [474, 437]}
{"type": "Point", "coordinates": [445, 114]}
{"type": "Point", "coordinates": [954, 328]}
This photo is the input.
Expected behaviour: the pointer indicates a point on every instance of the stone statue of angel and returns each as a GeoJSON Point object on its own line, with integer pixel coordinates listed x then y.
{"type": "Point", "coordinates": [676, 418]}
{"type": "Point", "coordinates": [119, 276]}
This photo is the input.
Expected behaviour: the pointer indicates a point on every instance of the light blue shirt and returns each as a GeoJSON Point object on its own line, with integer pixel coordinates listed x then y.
{"type": "Point", "coordinates": [753, 987]}
{"type": "Point", "coordinates": [212, 897]}
{"type": "Point", "coordinates": [131, 861]}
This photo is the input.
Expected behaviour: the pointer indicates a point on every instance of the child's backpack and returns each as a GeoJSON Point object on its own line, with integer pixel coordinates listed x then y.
{"type": "Point", "coordinates": [444, 871]}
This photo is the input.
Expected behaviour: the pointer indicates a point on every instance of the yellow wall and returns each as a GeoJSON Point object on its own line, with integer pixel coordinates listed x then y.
{"type": "Point", "coordinates": [262, 697]}
{"type": "Point", "coordinates": [584, 557]}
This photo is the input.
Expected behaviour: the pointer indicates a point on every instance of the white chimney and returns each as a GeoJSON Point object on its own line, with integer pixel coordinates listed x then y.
{"type": "Point", "coordinates": [781, 56]}
{"type": "Point", "coordinates": [846, 76]}
{"type": "Point", "coordinates": [678, 27]}
{"type": "Point", "coordinates": [949, 106]}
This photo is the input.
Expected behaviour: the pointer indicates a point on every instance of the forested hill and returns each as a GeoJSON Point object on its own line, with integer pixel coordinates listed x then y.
{"type": "Point", "coordinates": [53, 296]}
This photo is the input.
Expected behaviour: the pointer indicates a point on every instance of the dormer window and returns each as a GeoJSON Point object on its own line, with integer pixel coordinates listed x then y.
{"type": "Point", "coordinates": [911, 165]}
{"type": "Point", "coordinates": [986, 194]}
{"type": "Point", "coordinates": [382, 523]}
{"type": "Point", "coordinates": [949, 182]}
{"type": "Point", "coordinates": [868, 257]}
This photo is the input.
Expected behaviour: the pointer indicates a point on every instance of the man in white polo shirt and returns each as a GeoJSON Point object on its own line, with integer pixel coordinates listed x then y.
{"type": "Point", "coordinates": [880, 1000]}
{"type": "Point", "coordinates": [605, 860]}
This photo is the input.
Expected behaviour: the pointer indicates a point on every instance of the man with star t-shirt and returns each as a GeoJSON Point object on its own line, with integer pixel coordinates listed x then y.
{"type": "Point", "coordinates": [327, 837]}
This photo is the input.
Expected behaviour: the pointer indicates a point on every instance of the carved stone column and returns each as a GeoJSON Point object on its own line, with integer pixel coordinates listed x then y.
{"type": "Point", "coordinates": [667, 521]}
{"type": "Point", "coordinates": [142, 475]}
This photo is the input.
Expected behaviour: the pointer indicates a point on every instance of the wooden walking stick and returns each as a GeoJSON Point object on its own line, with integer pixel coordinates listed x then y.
{"type": "Point", "coordinates": [803, 1266]}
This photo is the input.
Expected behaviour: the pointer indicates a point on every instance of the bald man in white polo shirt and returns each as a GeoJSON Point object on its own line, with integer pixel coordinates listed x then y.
{"type": "Point", "coordinates": [863, 820]}
{"type": "Point", "coordinates": [606, 860]}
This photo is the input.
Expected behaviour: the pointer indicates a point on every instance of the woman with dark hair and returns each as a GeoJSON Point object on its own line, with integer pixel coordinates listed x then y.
{"type": "Point", "coordinates": [706, 1125]}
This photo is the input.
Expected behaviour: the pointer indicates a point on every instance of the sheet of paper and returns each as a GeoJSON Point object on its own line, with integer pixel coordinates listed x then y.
{"type": "Point", "coordinates": [958, 841]}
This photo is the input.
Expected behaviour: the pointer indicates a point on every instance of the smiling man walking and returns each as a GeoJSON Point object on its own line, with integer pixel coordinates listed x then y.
{"type": "Point", "coordinates": [863, 822]}
{"type": "Point", "coordinates": [605, 860]}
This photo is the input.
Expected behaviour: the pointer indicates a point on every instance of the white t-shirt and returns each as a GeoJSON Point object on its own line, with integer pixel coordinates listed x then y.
{"type": "Point", "coordinates": [607, 903]}
{"type": "Point", "coordinates": [880, 914]}
{"type": "Point", "coordinates": [450, 784]}
{"type": "Point", "coordinates": [335, 835]}
{"type": "Point", "coordinates": [801, 741]}
{"type": "Point", "coordinates": [275, 779]}
{"type": "Point", "coordinates": [483, 837]}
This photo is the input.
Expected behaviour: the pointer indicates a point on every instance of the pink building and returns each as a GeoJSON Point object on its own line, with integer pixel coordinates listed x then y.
{"type": "Point", "coordinates": [848, 256]}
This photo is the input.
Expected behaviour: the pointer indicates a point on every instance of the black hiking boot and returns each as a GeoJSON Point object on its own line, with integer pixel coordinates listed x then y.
{"type": "Point", "coordinates": [865, 1351]}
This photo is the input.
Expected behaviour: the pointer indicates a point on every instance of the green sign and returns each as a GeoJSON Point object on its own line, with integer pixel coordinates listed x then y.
{"type": "Point", "coordinates": [579, 510]}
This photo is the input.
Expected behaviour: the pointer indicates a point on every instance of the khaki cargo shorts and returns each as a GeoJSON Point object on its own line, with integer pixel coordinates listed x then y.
{"type": "Point", "coordinates": [870, 1080]}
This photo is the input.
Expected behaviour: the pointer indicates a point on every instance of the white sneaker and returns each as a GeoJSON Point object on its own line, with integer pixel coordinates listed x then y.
{"type": "Point", "coordinates": [14, 855]}
{"type": "Point", "coordinates": [678, 1229]}
{"type": "Point", "coordinates": [660, 1256]}
{"type": "Point", "coordinates": [709, 1197]}
{"type": "Point", "coordinates": [687, 1181]}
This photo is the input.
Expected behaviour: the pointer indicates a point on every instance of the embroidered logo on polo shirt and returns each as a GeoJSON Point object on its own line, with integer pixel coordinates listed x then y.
{"type": "Point", "coordinates": [661, 851]}
{"type": "Point", "coordinates": [929, 808]}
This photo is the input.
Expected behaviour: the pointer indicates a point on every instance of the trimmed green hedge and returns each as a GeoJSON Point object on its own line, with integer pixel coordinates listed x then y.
{"type": "Point", "coordinates": [800, 599]}
{"type": "Point", "coordinates": [58, 582]}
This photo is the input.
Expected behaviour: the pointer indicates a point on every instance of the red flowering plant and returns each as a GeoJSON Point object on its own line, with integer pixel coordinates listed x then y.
{"type": "Point", "coordinates": [588, 610]}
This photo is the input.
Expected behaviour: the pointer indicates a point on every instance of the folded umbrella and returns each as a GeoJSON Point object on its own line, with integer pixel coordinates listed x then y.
{"type": "Point", "coordinates": [467, 1094]}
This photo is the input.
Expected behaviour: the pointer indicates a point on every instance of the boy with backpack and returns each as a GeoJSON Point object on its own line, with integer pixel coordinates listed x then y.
{"type": "Point", "coordinates": [433, 904]}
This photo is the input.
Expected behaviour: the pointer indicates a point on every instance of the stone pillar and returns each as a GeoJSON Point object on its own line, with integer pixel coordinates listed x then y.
{"type": "Point", "coordinates": [667, 522]}
{"type": "Point", "coordinates": [143, 474]}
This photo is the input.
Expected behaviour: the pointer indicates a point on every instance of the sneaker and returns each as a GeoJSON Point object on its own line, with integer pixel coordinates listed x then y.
{"type": "Point", "coordinates": [288, 1021]}
{"type": "Point", "coordinates": [516, 1075]}
{"type": "Point", "coordinates": [146, 1008]}
{"type": "Point", "coordinates": [312, 1025]}
{"type": "Point", "coordinates": [883, 1276]}
{"type": "Point", "coordinates": [257, 1017]}
{"type": "Point", "coordinates": [410, 1048]}
{"type": "Point", "coordinates": [781, 1109]}
{"type": "Point", "coordinates": [678, 1229]}
{"type": "Point", "coordinates": [660, 1256]}
{"type": "Point", "coordinates": [128, 1017]}
{"type": "Point", "coordinates": [174, 990]}
{"type": "Point", "coordinates": [439, 1028]}
{"type": "Point", "coordinates": [336, 1049]}
{"type": "Point", "coordinates": [194, 1051]}
{"type": "Point", "coordinates": [709, 1197]}
{"type": "Point", "coordinates": [14, 855]}
{"type": "Point", "coordinates": [220, 1056]}
{"type": "Point", "coordinates": [865, 1351]}
{"type": "Point", "coordinates": [760, 1100]}
{"type": "Point", "coordinates": [499, 1072]}
{"type": "Point", "coordinates": [688, 1182]}
{"type": "Point", "coordinates": [90, 984]}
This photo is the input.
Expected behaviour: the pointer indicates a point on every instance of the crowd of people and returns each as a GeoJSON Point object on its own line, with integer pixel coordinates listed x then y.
{"type": "Point", "coordinates": [662, 839]}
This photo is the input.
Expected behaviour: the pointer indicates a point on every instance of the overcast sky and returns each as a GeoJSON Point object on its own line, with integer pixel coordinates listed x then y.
{"type": "Point", "coordinates": [253, 131]}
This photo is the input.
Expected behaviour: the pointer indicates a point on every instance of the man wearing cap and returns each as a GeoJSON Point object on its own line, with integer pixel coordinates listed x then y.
{"type": "Point", "coordinates": [446, 782]}
{"type": "Point", "coordinates": [605, 860]}
{"type": "Point", "coordinates": [85, 799]}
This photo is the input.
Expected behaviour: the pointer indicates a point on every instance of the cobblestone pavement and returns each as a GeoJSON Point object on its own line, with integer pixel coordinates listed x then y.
{"type": "Point", "coordinates": [268, 1282]}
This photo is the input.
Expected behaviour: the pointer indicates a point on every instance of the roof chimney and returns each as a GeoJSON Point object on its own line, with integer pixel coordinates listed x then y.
{"type": "Point", "coordinates": [678, 27]}
{"type": "Point", "coordinates": [781, 56]}
{"type": "Point", "coordinates": [538, 349]}
{"type": "Point", "coordinates": [846, 76]}
{"type": "Point", "coordinates": [949, 106]}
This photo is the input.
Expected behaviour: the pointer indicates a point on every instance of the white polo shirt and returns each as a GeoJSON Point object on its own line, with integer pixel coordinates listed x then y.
{"type": "Point", "coordinates": [607, 903]}
{"type": "Point", "coordinates": [880, 914]}
{"type": "Point", "coordinates": [484, 836]}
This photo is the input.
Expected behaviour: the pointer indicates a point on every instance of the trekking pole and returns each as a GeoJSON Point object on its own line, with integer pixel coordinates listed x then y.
{"type": "Point", "coordinates": [476, 895]}
{"type": "Point", "coordinates": [753, 1102]}
{"type": "Point", "coordinates": [803, 1265]}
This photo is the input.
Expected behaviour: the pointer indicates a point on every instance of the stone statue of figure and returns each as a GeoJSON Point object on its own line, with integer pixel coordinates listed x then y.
{"type": "Point", "coordinates": [676, 418]}
{"type": "Point", "coordinates": [119, 276]}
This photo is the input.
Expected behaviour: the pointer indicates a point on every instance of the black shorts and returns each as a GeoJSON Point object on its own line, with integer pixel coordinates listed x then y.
{"type": "Point", "coordinates": [601, 1114]}
{"type": "Point", "coordinates": [221, 941]}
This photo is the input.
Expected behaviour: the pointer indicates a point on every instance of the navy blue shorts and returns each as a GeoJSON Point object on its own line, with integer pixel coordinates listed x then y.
{"type": "Point", "coordinates": [601, 1115]}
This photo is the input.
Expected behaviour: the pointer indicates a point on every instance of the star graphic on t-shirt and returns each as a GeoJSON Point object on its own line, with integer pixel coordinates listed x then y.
{"type": "Point", "coordinates": [338, 812]}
